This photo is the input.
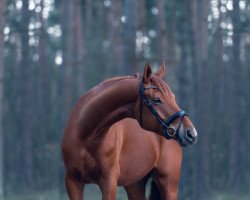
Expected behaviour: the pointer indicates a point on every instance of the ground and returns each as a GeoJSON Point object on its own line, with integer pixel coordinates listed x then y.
{"type": "Point", "coordinates": [93, 193]}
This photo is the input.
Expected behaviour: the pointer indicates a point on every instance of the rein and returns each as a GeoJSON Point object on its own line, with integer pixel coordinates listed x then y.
{"type": "Point", "coordinates": [168, 132]}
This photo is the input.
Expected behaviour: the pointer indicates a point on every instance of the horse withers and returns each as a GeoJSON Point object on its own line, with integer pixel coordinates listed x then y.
{"type": "Point", "coordinates": [94, 151]}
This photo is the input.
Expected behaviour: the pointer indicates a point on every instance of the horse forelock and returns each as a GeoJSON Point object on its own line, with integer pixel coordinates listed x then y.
{"type": "Point", "coordinates": [163, 87]}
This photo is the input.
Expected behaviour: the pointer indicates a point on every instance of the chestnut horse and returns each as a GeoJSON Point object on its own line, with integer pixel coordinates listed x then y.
{"type": "Point", "coordinates": [124, 154]}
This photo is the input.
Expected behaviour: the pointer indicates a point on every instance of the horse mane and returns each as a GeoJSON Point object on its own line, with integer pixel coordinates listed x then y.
{"type": "Point", "coordinates": [119, 78]}
{"type": "Point", "coordinates": [163, 87]}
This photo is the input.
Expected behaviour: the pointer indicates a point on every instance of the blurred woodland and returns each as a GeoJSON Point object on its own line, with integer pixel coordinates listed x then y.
{"type": "Point", "coordinates": [52, 51]}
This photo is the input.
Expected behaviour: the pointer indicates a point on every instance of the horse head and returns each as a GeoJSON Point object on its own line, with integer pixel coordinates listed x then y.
{"type": "Point", "coordinates": [157, 110]}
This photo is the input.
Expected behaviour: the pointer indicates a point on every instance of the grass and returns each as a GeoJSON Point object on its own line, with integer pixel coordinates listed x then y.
{"type": "Point", "coordinates": [92, 192]}
{"type": "Point", "coordinates": [47, 195]}
{"type": "Point", "coordinates": [228, 196]}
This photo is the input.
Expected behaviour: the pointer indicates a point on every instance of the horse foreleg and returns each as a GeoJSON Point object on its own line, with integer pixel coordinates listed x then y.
{"type": "Point", "coordinates": [168, 187]}
{"type": "Point", "coordinates": [74, 188]}
{"type": "Point", "coordinates": [136, 191]}
{"type": "Point", "coordinates": [108, 188]}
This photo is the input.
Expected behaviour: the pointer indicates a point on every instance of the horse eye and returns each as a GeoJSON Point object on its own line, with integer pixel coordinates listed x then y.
{"type": "Point", "coordinates": [156, 101]}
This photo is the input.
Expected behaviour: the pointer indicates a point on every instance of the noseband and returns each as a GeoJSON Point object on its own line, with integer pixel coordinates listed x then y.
{"type": "Point", "coordinates": [168, 132]}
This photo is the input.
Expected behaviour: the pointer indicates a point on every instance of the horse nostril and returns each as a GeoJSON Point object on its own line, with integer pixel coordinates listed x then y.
{"type": "Point", "coordinates": [189, 135]}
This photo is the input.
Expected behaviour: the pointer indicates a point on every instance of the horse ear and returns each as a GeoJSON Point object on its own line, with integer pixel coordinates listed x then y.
{"type": "Point", "coordinates": [147, 73]}
{"type": "Point", "coordinates": [162, 70]}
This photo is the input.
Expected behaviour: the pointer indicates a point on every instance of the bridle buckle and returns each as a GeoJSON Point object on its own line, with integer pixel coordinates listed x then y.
{"type": "Point", "coordinates": [171, 131]}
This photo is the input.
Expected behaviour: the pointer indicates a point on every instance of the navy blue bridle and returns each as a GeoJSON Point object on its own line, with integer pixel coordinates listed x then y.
{"type": "Point", "coordinates": [168, 132]}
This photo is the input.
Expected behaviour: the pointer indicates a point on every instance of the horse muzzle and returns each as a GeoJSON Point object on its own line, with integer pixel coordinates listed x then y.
{"type": "Point", "coordinates": [187, 136]}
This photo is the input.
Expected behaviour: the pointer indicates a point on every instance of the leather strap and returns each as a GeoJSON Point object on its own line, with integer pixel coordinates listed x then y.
{"type": "Point", "coordinates": [165, 124]}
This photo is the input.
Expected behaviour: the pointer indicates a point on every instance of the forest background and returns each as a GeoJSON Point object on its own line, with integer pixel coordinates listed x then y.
{"type": "Point", "coordinates": [52, 51]}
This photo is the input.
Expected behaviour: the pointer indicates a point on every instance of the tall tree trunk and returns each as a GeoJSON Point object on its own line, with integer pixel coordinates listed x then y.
{"type": "Point", "coordinates": [219, 80]}
{"type": "Point", "coordinates": [2, 24]}
{"type": "Point", "coordinates": [68, 48]}
{"type": "Point", "coordinates": [247, 101]}
{"type": "Point", "coordinates": [69, 11]}
{"type": "Point", "coordinates": [25, 102]}
{"type": "Point", "coordinates": [129, 36]}
{"type": "Point", "coordinates": [183, 65]}
{"type": "Point", "coordinates": [218, 91]}
{"type": "Point", "coordinates": [79, 46]}
{"type": "Point", "coordinates": [236, 77]}
{"type": "Point", "coordinates": [142, 54]}
{"type": "Point", "coordinates": [115, 39]}
{"type": "Point", "coordinates": [199, 10]}
{"type": "Point", "coordinates": [184, 31]}
{"type": "Point", "coordinates": [162, 30]}
{"type": "Point", "coordinates": [43, 91]}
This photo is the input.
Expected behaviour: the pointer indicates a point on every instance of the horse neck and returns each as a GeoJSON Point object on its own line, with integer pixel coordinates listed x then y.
{"type": "Point", "coordinates": [113, 100]}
